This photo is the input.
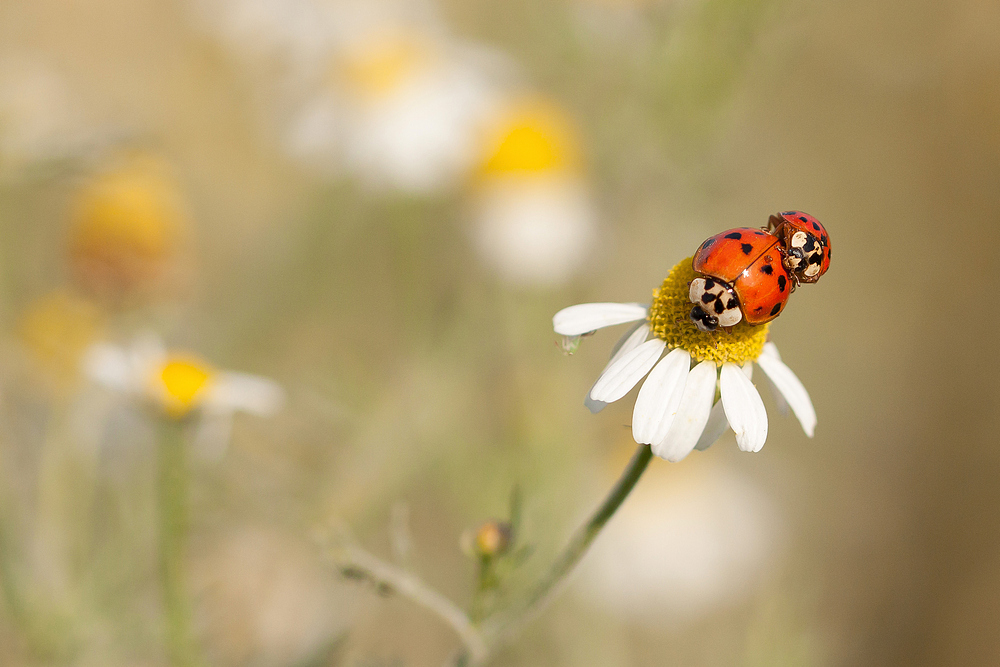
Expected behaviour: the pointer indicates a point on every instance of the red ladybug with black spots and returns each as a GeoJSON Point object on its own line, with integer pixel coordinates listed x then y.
{"type": "Point", "coordinates": [748, 273]}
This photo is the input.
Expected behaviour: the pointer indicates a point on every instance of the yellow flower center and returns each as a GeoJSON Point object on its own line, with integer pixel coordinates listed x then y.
{"type": "Point", "coordinates": [182, 385]}
{"type": "Point", "coordinates": [536, 137]}
{"type": "Point", "coordinates": [670, 320]}
{"type": "Point", "coordinates": [57, 329]}
{"type": "Point", "coordinates": [127, 224]}
{"type": "Point", "coordinates": [382, 64]}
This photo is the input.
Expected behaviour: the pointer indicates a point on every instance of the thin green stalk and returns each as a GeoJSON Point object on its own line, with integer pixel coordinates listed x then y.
{"type": "Point", "coordinates": [173, 499]}
{"type": "Point", "coordinates": [547, 587]}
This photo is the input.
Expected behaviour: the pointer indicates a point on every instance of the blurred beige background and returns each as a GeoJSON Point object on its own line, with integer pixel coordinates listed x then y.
{"type": "Point", "coordinates": [419, 369]}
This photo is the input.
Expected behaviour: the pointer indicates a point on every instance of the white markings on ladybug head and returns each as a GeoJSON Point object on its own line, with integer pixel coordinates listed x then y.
{"type": "Point", "coordinates": [715, 304]}
{"type": "Point", "coordinates": [804, 255]}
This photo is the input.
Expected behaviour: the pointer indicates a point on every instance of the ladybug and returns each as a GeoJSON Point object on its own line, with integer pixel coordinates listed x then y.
{"type": "Point", "coordinates": [741, 268]}
{"type": "Point", "coordinates": [749, 273]}
{"type": "Point", "coordinates": [805, 242]}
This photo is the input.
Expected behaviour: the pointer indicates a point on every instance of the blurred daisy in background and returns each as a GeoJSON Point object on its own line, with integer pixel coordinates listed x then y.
{"type": "Point", "coordinates": [690, 540]}
{"type": "Point", "coordinates": [40, 120]}
{"type": "Point", "coordinates": [181, 385]}
{"type": "Point", "coordinates": [533, 214]}
{"type": "Point", "coordinates": [127, 226]}
{"type": "Point", "coordinates": [400, 107]}
{"type": "Point", "coordinates": [293, 31]}
{"type": "Point", "coordinates": [674, 410]}
{"type": "Point", "coordinates": [56, 329]}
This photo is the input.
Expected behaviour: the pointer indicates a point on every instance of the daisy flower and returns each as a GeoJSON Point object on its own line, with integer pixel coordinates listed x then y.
{"type": "Point", "coordinates": [535, 220]}
{"type": "Point", "coordinates": [182, 385]}
{"type": "Point", "coordinates": [39, 118]}
{"type": "Point", "coordinates": [400, 107]}
{"type": "Point", "coordinates": [57, 329]}
{"type": "Point", "coordinates": [674, 411]}
{"type": "Point", "coordinates": [127, 226]}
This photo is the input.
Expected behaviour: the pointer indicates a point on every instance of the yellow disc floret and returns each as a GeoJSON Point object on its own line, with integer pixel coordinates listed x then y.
{"type": "Point", "coordinates": [127, 224]}
{"type": "Point", "coordinates": [379, 66]}
{"type": "Point", "coordinates": [181, 383]}
{"type": "Point", "coordinates": [531, 138]}
{"type": "Point", "coordinates": [669, 318]}
{"type": "Point", "coordinates": [57, 329]}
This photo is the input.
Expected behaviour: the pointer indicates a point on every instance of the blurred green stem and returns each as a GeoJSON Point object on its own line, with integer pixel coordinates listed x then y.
{"type": "Point", "coordinates": [549, 586]}
{"type": "Point", "coordinates": [173, 498]}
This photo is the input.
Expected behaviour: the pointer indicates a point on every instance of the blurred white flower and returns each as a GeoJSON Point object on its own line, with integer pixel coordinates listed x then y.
{"type": "Point", "coordinates": [400, 108]}
{"type": "Point", "coordinates": [181, 384]}
{"type": "Point", "coordinates": [674, 410]}
{"type": "Point", "coordinates": [534, 218]}
{"type": "Point", "coordinates": [688, 541]}
{"type": "Point", "coordinates": [39, 119]}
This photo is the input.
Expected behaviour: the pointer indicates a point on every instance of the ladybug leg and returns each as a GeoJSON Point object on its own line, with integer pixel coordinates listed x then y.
{"type": "Point", "coordinates": [773, 223]}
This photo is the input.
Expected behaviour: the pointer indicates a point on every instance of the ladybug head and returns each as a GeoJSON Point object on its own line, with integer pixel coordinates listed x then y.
{"type": "Point", "coordinates": [805, 243]}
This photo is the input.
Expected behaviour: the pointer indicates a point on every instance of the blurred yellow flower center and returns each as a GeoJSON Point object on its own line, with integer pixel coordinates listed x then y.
{"type": "Point", "coordinates": [669, 318]}
{"type": "Point", "coordinates": [535, 139]}
{"type": "Point", "coordinates": [381, 65]}
{"type": "Point", "coordinates": [135, 208]}
{"type": "Point", "coordinates": [183, 384]}
{"type": "Point", "coordinates": [57, 328]}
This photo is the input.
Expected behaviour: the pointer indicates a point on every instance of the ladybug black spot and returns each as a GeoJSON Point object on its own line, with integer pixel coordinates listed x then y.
{"type": "Point", "coordinates": [789, 212]}
{"type": "Point", "coordinates": [803, 218]}
{"type": "Point", "coordinates": [759, 233]}
{"type": "Point", "coordinates": [707, 243]}
{"type": "Point", "coordinates": [829, 253]}
{"type": "Point", "coordinates": [731, 304]}
{"type": "Point", "coordinates": [815, 226]}
{"type": "Point", "coordinates": [719, 306]}
{"type": "Point", "coordinates": [736, 236]}
{"type": "Point", "coordinates": [747, 248]}
{"type": "Point", "coordinates": [777, 307]}
{"type": "Point", "coordinates": [767, 268]}
{"type": "Point", "coordinates": [758, 309]}
{"type": "Point", "coordinates": [709, 283]}
{"type": "Point", "coordinates": [708, 297]}
{"type": "Point", "coordinates": [782, 281]}
{"type": "Point", "coordinates": [816, 259]}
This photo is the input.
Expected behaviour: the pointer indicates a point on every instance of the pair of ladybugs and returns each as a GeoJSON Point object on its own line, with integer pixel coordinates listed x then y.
{"type": "Point", "coordinates": [748, 273]}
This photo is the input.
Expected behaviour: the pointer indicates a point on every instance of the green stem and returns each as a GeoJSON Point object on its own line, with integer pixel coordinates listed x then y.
{"type": "Point", "coordinates": [173, 497]}
{"type": "Point", "coordinates": [547, 588]}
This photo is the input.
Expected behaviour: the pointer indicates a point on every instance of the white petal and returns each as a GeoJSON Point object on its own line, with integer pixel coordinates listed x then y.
{"type": "Point", "coordinates": [792, 390]}
{"type": "Point", "coordinates": [744, 409]}
{"type": "Point", "coordinates": [233, 392]}
{"type": "Point", "coordinates": [108, 365]}
{"type": "Point", "coordinates": [621, 376]}
{"type": "Point", "coordinates": [587, 317]}
{"type": "Point", "coordinates": [659, 398]}
{"type": "Point", "coordinates": [632, 339]}
{"type": "Point", "coordinates": [692, 414]}
{"type": "Point", "coordinates": [771, 350]}
{"type": "Point", "coordinates": [716, 426]}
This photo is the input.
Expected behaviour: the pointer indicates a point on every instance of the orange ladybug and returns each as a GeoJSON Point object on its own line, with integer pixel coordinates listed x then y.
{"type": "Point", "coordinates": [748, 273]}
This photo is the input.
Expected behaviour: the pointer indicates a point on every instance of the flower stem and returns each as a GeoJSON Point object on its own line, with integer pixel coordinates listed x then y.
{"type": "Point", "coordinates": [548, 587]}
{"type": "Point", "coordinates": [173, 498]}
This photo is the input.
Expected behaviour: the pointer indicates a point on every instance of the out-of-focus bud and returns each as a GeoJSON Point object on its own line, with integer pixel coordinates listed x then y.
{"type": "Point", "coordinates": [56, 329]}
{"type": "Point", "coordinates": [493, 539]}
{"type": "Point", "coordinates": [127, 226]}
